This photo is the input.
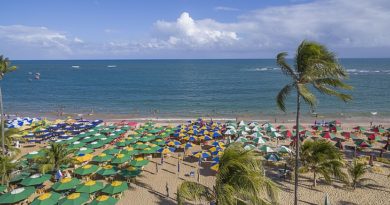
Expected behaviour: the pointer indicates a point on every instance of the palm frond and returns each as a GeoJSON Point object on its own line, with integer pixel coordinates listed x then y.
{"type": "Point", "coordinates": [193, 191]}
{"type": "Point", "coordinates": [286, 69]}
{"type": "Point", "coordinates": [325, 90]}
{"type": "Point", "coordinates": [282, 95]}
{"type": "Point", "coordinates": [307, 95]}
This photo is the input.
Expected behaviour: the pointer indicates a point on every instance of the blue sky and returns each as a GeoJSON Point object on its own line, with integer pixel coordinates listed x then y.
{"type": "Point", "coordinates": [113, 29]}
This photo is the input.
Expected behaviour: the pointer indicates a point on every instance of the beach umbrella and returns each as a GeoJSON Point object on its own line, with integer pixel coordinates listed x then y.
{"type": "Point", "coordinates": [337, 128]}
{"type": "Point", "coordinates": [159, 142]}
{"type": "Point", "coordinates": [95, 145]}
{"type": "Point", "coordinates": [122, 143]}
{"type": "Point", "coordinates": [359, 129]}
{"type": "Point", "coordinates": [19, 177]}
{"type": "Point", "coordinates": [74, 199]}
{"type": "Point", "coordinates": [120, 158]}
{"type": "Point", "coordinates": [139, 162]}
{"type": "Point", "coordinates": [266, 149]}
{"type": "Point", "coordinates": [374, 137]}
{"type": "Point", "coordinates": [363, 144]}
{"type": "Point", "coordinates": [104, 200]}
{"type": "Point", "coordinates": [84, 158]}
{"type": "Point", "coordinates": [284, 149]}
{"type": "Point", "coordinates": [272, 157]}
{"type": "Point", "coordinates": [84, 151]}
{"type": "Point", "coordinates": [287, 134]}
{"type": "Point", "coordinates": [131, 172]}
{"type": "Point", "coordinates": [201, 154]}
{"type": "Point", "coordinates": [17, 195]}
{"type": "Point", "coordinates": [140, 145]}
{"type": "Point", "coordinates": [218, 144]}
{"type": "Point", "coordinates": [306, 133]}
{"type": "Point", "coordinates": [103, 157]}
{"type": "Point", "coordinates": [166, 150]}
{"type": "Point", "coordinates": [249, 147]}
{"type": "Point", "coordinates": [190, 138]}
{"type": "Point", "coordinates": [259, 140]}
{"type": "Point", "coordinates": [242, 139]}
{"type": "Point", "coordinates": [379, 130]}
{"type": "Point", "coordinates": [148, 150]}
{"type": "Point", "coordinates": [3, 188]}
{"type": "Point", "coordinates": [215, 166]}
{"type": "Point", "coordinates": [300, 127]}
{"type": "Point", "coordinates": [65, 184]}
{"type": "Point", "coordinates": [174, 143]}
{"type": "Point", "coordinates": [34, 154]}
{"type": "Point", "coordinates": [86, 169]}
{"type": "Point", "coordinates": [270, 129]}
{"type": "Point", "coordinates": [89, 187]}
{"type": "Point", "coordinates": [318, 128]}
{"type": "Point", "coordinates": [187, 145]}
{"type": "Point", "coordinates": [129, 151]}
{"type": "Point", "coordinates": [281, 128]}
{"type": "Point", "coordinates": [275, 134]}
{"type": "Point", "coordinates": [35, 179]}
{"type": "Point", "coordinates": [213, 149]}
{"type": "Point", "coordinates": [112, 151]}
{"type": "Point", "coordinates": [328, 135]}
{"type": "Point", "coordinates": [107, 170]}
{"type": "Point", "coordinates": [115, 187]}
{"type": "Point", "coordinates": [50, 198]}
{"type": "Point", "coordinates": [205, 138]}
{"type": "Point", "coordinates": [76, 145]}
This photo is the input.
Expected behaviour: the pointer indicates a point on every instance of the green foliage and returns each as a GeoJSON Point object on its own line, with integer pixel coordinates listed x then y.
{"type": "Point", "coordinates": [55, 156]}
{"type": "Point", "coordinates": [322, 157]}
{"type": "Point", "coordinates": [356, 171]}
{"type": "Point", "coordinates": [5, 66]}
{"type": "Point", "coordinates": [314, 65]}
{"type": "Point", "coordinates": [240, 178]}
{"type": "Point", "coordinates": [6, 168]}
{"type": "Point", "coordinates": [383, 160]}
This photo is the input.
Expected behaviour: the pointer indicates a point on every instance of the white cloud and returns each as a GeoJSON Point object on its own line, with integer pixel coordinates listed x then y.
{"type": "Point", "coordinates": [41, 37]}
{"type": "Point", "coordinates": [187, 32]}
{"type": "Point", "coordinates": [224, 8]}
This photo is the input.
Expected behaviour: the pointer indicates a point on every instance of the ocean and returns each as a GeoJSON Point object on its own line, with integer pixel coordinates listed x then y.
{"type": "Point", "coordinates": [180, 88]}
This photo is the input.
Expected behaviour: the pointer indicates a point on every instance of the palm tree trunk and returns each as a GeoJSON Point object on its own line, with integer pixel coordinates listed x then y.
{"type": "Point", "coordinates": [2, 122]}
{"type": "Point", "coordinates": [297, 151]}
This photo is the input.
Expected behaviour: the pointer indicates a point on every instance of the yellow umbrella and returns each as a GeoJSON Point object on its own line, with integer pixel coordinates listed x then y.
{"type": "Point", "coordinates": [85, 158]}
{"type": "Point", "coordinates": [215, 167]}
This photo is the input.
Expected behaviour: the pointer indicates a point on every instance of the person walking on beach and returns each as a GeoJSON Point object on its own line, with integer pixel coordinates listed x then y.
{"type": "Point", "coordinates": [167, 189]}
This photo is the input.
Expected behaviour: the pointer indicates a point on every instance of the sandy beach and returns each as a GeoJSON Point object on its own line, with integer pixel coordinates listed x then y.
{"type": "Point", "coordinates": [158, 187]}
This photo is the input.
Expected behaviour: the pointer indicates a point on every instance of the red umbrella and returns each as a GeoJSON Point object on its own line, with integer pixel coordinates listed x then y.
{"type": "Point", "coordinates": [346, 135]}
{"type": "Point", "coordinates": [288, 133]}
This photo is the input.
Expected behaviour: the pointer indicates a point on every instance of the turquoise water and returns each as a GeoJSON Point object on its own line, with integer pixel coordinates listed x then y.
{"type": "Point", "coordinates": [179, 87]}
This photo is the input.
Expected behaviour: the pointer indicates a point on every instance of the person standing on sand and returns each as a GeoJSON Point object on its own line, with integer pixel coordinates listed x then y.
{"type": "Point", "coordinates": [167, 189]}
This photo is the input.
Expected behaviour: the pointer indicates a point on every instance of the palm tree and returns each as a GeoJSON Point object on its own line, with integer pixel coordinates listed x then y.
{"type": "Point", "coordinates": [11, 135]}
{"type": "Point", "coordinates": [322, 157]}
{"type": "Point", "coordinates": [356, 171]}
{"type": "Point", "coordinates": [8, 168]}
{"type": "Point", "coordinates": [240, 178]}
{"type": "Point", "coordinates": [314, 65]}
{"type": "Point", "coordinates": [5, 67]}
{"type": "Point", "coordinates": [54, 156]}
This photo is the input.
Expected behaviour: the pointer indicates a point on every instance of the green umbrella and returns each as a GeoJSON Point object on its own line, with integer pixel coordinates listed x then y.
{"type": "Point", "coordinates": [83, 151]}
{"type": "Point", "coordinates": [95, 145]}
{"type": "Point", "coordinates": [266, 149]}
{"type": "Point", "coordinates": [122, 143]}
{"type": "Point", "coordinates": [19, 177]}
{"type": "Point", "coordinates": [16, 195]}
{"type": "Point", "coordinates": [159, 142]}
{"type": "Point", "coordinates": [35, 179]}
{"type": "Point", "coordinates": [107, 170]}
{"type": "Point", "coordinates": [104, 200]}
{"type": "Point", "coordinates": [65, 184]}
{"type": "Point", "coordinates": [88, 139]}
{"type": "Point", "coordinates": [130, 151]}
{"type": "Point", "coordinates": [139, 162]}
{"type": "Point", "coordinates": [148, 150]}
{"type": "Point", "coordinates": [89, 187]}
{"type": "Point", "coordinates": [70, 140]}
{"type": "Point", "coordinates": [76, 145]}
{"type": "Point", "coordinates": [112, 151]}
{"type": "Point", "coordinates": [35, 154]}
{"type": "Point", "coordinates": [131, 172]}
{"type": "Point", "coordinates": [120, 159]}
{"type": "Point", "coordinates": [103, 157]}
{"type": "Point", "coordinates": [140, 145]}
{"type": "Point", "coordinates": [115, 187]}
{"type": "Point", "coordinates": [86, 169]}
{"type": "Point", "coordinates": [131, 140]}
{"type": "Point", "coordinates": [50, 198]}
{"type": "Point", "coordinates": [74, 199]}
{"type": "Point", "coordinates": [105, 140]}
